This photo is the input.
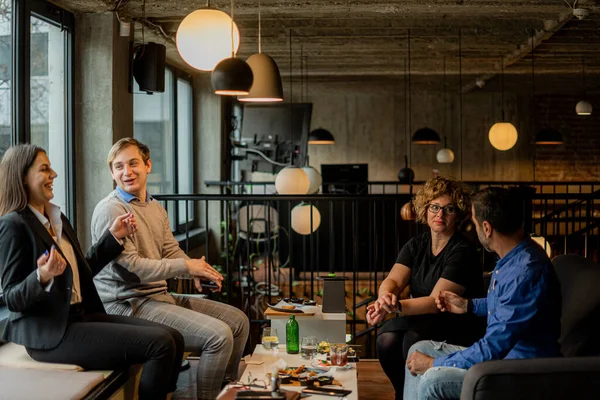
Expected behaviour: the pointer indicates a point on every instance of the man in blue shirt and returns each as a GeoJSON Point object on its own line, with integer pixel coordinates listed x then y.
{"type": "Point", "coordinates": [523, 305]}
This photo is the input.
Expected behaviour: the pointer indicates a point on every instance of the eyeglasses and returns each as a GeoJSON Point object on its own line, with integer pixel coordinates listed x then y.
{"type": "Point", "coordinates": [448, 210]}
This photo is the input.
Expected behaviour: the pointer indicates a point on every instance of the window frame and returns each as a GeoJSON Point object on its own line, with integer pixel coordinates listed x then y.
{"type": "Point", "coordinates": [177, 74]}
{"type": "Point", "coordinates": [22, 11]}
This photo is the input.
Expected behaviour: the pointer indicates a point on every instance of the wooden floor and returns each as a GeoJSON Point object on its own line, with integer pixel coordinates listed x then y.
{"type": "Point", "coordinates": [372, 382]}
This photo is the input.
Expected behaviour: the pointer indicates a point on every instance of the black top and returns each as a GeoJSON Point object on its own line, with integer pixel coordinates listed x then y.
{"type": "Point", "coordinates": [457, 262]}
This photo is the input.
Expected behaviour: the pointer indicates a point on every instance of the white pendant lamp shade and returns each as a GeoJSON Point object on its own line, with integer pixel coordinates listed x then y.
{"type": "Point", "coordinates": [544, 244]}
{"type": "Point", "coordinates": [301, 219]}
{"type": "Point", "coordinates": [292, 180]}
{"type": "Point", "coordinates": [583, 108]}
{"type": "Point", "coordinates": [267, 86]}
{"type": "Point", "coordinates": [204, 38]}
{"type": "Point", "coordinates": [315, 179]}
{"type": "Point", "coordinates": [445, 156]}
{"type": "Point", "coordinates": [503, 135]}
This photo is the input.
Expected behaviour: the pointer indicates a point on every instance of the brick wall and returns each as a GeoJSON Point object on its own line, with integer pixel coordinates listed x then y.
{"type": "Point", "coordinates": [579, 158]}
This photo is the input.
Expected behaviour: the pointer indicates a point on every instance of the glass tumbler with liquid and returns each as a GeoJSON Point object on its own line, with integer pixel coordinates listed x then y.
{"type": "Point", "coordinates": [308, 347]}
{"type": "Point", "coordinates": [339, 354]}
{"type": "Point", "coordinates": [270, 340]}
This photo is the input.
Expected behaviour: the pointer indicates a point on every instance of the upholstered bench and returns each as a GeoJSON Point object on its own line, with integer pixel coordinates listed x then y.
{"type": "Point", "coordinates": [21, 377]}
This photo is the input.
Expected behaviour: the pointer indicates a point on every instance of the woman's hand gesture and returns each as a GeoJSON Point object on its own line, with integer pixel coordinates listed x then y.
{"type": "Point", "coordinates": [123, 226]}
{"type": "Point", "coordinates": [50, 265]}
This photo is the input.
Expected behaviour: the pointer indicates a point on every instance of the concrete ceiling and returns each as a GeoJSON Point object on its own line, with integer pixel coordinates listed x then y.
{"type": "Point", "coordinates": [367, 39]}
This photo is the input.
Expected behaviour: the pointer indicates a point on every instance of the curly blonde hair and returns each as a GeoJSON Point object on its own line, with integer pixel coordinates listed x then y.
{"type": "Point", "coordinates": [440, 186]}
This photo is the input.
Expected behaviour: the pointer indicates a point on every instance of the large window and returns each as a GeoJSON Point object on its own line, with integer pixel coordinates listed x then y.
{"type": "Point", "coordinates": [6, 81]}
{"type": "Point", "coordinates": [47, 99]}
{"type": "Point", "coordinates": [36, 90]}
{"type": "Point", "coordinates": [164, 122]}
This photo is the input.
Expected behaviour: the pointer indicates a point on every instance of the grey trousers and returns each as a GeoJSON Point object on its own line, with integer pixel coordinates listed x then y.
{"type": "Point", "coordinates": [215, 330]}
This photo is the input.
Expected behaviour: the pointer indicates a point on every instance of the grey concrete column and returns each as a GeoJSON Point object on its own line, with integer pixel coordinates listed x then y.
{"type": "Point", "coordinates": [103, 108]}
{"type": "Point", "coordinates": [208, 121]}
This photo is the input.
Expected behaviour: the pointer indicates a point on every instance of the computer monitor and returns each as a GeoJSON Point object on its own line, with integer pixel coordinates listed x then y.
{"type": "Point", "coordinates": [280, 131]}
{"type": "Point", "coordinates": [345, 178]}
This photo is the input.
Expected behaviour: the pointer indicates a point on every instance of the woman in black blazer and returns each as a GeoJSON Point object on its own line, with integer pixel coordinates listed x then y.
{"type": "Point", "coordinates": [55, 310]}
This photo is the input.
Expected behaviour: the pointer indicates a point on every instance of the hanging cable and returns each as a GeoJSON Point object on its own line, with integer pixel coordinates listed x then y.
{"type": "Point", "coordinates": [232, 38]}
{"type": "Point", "coordinates": [409, 103]}
{"type": "Point", "coordinates": [259, 30]}
{"type": "Point", "coordinates": [445, 103]}
{"type": "Point", "coordinates": [533, 100]}
{"type": "Point", "coordinates": [460, 83]}
{"type": "Point", "coordinates": [502, 90]}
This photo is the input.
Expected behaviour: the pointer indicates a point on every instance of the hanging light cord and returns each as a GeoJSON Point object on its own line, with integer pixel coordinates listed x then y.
{"type": "Point", "coordinates": [259, 30]}
{"type": "Point", "coordinates": [232, 38]}
{"type": "Point", "coordinates": [406, 131]}
{"type": "Point", "coordinates": [533, 100]}
{"type": "Point", "coordinates": [409, 101]}
{"type": "Point", "coordinates": [583, 76]}
{"type": "Point", "coordinates": [301, 73]}
{"type": "Point", "coordinates": [445, 106]}
{"type": "Point", "coordinates": [460, 82]}
{"type": "Point", "coordinates": [502, 84]}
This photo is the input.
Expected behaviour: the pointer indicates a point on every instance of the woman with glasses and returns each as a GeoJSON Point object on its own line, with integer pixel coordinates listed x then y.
{"type": "Point", "coordinates": [439, 259]}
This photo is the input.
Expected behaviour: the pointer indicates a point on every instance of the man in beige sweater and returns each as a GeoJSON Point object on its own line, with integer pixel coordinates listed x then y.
{"type": "Point", "coordinates": [135, 284]}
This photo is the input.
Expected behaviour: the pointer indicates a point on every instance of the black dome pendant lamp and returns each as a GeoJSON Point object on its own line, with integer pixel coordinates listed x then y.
{"type": "Point", "coordinates": [232, 76]}
{"type": "Point", "coordinates": [321, 136]}
{"type": "Point", "coordinates": [422, 135]}
{"type": "Point", "coordinates": [406, 175]}
{"type": "Point", "coordinates": [547, 135]}
{"type": "Point", "coordinates": [426, 136]}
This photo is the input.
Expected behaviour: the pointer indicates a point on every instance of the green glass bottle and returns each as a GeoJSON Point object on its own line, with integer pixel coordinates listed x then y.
{"type": "Point", "coordinates": [292, 336]}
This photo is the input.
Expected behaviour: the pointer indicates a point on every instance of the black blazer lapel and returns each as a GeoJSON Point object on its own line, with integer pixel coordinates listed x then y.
{"type": "Point", "coordinates": [39, 229]}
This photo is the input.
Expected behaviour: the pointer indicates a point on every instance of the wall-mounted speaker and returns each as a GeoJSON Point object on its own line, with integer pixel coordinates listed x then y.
{"type": "Point", "coordinates": [149, 67]}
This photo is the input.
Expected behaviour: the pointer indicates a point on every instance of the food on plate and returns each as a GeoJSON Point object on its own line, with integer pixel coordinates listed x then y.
{"type": "Point", "coordinates": [323, 347]}
{"type": "Point", "coordinates": [288, 307]}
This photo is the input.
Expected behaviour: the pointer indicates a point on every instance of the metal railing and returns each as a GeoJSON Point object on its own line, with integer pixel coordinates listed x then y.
{"type": "Point", "coordinates": [264, 245]}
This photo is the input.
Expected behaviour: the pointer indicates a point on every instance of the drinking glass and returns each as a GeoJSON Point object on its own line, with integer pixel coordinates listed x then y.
{"type": "Point", "coordinates": [339, 354]}
{"type": "Point", "coordinates": [270, 340]}
{"type": "Point", "coordinates": [308, 347]}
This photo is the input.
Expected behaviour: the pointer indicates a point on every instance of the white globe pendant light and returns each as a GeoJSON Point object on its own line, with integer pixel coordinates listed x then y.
{"type": "Point", "coordinates": [292, 180]}
{"type": "Point", "coordinates": [301, 219]}
{"type": "Point", "coordinates": [445, 156]}
{"type": "Point", "coordinates": [315, 179]}
{"type": "Point", "coordinates": [583, 108]}
{"type": "Point", "coordinates": [204, 38]}
{"type": "Point", "coordinates": [503, 136]}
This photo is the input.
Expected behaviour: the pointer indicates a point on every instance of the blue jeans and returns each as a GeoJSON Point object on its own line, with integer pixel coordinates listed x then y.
{"type": "Point", "coordinates": [437, 382]}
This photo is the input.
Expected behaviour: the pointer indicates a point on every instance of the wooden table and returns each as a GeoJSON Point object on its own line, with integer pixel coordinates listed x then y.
{"type": "Point", "coordinates": [347, 377]}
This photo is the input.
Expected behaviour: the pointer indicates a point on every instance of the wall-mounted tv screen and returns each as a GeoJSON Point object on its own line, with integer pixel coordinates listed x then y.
{"type": "Point", "coordinates": [280, 131]}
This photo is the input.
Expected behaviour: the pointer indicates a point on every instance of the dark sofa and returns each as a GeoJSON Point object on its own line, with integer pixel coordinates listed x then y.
{"type": "Point", "coordinates": [577, 375]}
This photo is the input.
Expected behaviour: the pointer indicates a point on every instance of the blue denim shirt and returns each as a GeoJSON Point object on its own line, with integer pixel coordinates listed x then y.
{"type": "Point", "coordinates": [523, 309]}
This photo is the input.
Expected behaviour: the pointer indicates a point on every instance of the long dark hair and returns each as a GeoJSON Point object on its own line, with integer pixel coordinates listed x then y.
{"type": "Point", "coordinates": [14, 166]}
